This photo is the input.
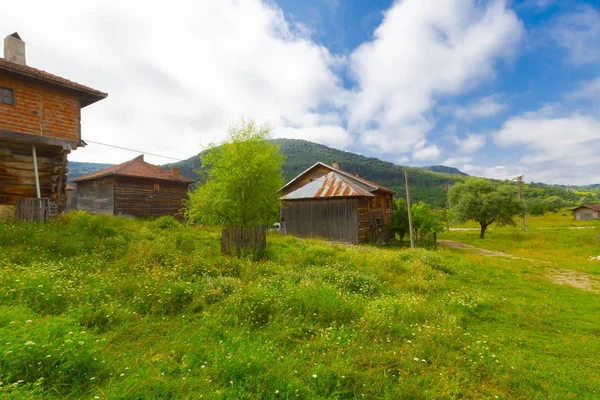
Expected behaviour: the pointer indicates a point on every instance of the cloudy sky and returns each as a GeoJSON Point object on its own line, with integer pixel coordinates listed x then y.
{"type": "Point", "coordinates": [496, 88]}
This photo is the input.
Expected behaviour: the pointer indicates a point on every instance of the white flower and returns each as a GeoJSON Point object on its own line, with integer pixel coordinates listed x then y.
{"type": "Point", "coordinates": [30, 343]}
{"type": "Point", "coordinates": [314, 375]}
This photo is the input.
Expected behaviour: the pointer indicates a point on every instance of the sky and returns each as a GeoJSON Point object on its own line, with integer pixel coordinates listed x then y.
{"type": "Point", "coordinates": [495, 88]}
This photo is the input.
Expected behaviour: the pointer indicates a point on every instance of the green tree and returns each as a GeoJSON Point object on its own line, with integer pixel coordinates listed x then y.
{"type": "Point", "coordinates": [484, 202]}
{"type": "Point", "coordinates": [554, 203]}
{"type": "Point", "coordinates": [400, 219]}
{"type": "Point", "coordinates": [243, 176]}
{"type": "Point", "coordinates": [425, 221]}
{"type": "Point", "coordinates": [536, 209]}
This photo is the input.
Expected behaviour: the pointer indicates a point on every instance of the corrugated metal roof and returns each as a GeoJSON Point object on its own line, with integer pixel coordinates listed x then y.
{"type": "Point", "coordinates": [595, 207]}
{"type": "Point", "coordinates": [330, 185]}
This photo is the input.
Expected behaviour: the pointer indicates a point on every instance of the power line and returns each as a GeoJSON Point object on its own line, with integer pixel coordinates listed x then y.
{"type": "Point", "coordinates": [137, 151]}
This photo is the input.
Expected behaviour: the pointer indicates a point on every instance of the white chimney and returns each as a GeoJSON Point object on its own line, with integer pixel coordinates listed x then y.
{"type": "Point", "coordinates": [14, 49]}
{"type": "Point", "coordinates": [336, 165]}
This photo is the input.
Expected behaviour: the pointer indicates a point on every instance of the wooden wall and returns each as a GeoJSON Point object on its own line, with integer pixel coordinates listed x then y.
{"type": "Point", "coordinates": [17, 176]}
{"type": "Point", "coordinates": [333, 219]}
{"type": "Point", "coordinates": [371, 209]}
{"type": "Point", "coordinates": [97, 196]}
{"type": "Point", "coordinates": [586, 214]}
{"type": "Point", "coordinates": [135, 196]}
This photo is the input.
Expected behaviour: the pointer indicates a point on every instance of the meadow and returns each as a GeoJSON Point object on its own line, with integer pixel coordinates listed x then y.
{"type": "Point", "coordinates": [111, 308]}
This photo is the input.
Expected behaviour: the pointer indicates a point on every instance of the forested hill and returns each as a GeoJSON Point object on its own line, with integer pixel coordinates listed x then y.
{"type": "Point", "coordinates": [426, 184]}
{"type": "Point", "coordinates": [301, 154]}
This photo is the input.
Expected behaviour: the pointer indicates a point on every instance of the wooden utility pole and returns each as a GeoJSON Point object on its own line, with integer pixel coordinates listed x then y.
{"type": "Point", "coordinates": [520, 181]}
{"type": "Point", "coordinates": [410, 227]}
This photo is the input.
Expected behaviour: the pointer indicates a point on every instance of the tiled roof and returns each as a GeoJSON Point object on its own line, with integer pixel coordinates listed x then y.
{"type": "Point", "coordinates": [332, 184]}
{"type": "Point", "coordinates": [94, 95]}
{"type": "Point", "coordinates": [137, 168]}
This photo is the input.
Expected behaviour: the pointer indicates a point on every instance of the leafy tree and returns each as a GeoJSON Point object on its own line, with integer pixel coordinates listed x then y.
{"type": "Point", "coordinates": [400, 219]}
{"type": "Point", "coordinates": [482, 201]}
{"type": "Point", "coordinates": [243, 176]}
{"type": "Point", "coordinates": [554, 203]}
{"type": "Point", "coordinates": [425, 221]}
{"type": "Point", "coordinates": [537, 209]}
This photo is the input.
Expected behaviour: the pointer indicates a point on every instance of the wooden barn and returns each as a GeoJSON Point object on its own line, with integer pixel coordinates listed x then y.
{"type": "Point", "coordinates": [325, 201]}
{"type": "Point", "coordinates": [587, 212]}
{"type": "Point", "coordinates": [40, 124]}
{"type": "Point", "coordinates": [134, 188]}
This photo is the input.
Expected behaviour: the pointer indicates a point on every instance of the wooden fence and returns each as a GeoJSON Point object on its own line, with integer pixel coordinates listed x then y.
{"type": "Point", "coordinates": [237, 239]}
{"type": "Point", "coordinates": [35, 210]}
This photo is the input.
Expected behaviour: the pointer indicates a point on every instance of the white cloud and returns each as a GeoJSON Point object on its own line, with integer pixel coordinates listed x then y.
{"type": "Point", "coordinates": [457, 161]}
{"type": "Point", "coordinates": [427, 153]}
{"type": "Point", "coordinates": [471, 143]}
{"type": "Point", "coordinates": [423, 50]}
{"type": "Point", "coordinates": [495, 172]}
{"type": "Point", "coordinates": [560, 147]}
{"type": "Point", "coordinates": [587, 90]}
{"type": "Point", "coordinates": [483, 108]}
{"type": "Point", "coordinates": [579, 34]}
{"type": "Point", "coordinates": [176, 76]}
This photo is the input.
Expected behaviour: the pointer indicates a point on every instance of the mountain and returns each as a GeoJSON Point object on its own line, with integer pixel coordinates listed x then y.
{"type": "Point", "coordinates": [299, 154]}
{"type": "Point", "coordinates": [426, 183]}
{"type": "Point", "coordinates": [444, 169]}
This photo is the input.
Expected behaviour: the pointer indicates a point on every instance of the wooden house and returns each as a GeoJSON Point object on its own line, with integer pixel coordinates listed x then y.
{"type": "Point", "coordinates": [587, 212]}
{"type": "Point", "coordinates": [40, 124]}
{"type": "Point", "coordinates": [325, 201]}
{"type": "Point", "coordinates": [134, 188]}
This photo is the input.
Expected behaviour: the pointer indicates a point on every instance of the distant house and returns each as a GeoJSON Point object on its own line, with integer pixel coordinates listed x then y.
{"type": "Point", "coordinates": [325, 201]}
{"type": "Point", "coordinates": [590, 211]}
{"type": "Point", "coordinates": [40, 124]}
{"type": "Point", "coordinates": [134, 188]}
{"type": "Point", "coordinates": [69, 199]}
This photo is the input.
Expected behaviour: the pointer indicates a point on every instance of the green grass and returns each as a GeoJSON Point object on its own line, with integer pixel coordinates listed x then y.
{"type": "Point", "coordinates": [125, 309]}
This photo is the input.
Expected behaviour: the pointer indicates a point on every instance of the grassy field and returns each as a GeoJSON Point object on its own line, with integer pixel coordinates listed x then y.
{"type": "Point", "coordinates": [112, 308]}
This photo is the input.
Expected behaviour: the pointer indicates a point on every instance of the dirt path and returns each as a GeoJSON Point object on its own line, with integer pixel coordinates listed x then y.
{"type": "Point", "coordinates": [568, 277]}
{"type": "Point", "coordinates": [477, 250]}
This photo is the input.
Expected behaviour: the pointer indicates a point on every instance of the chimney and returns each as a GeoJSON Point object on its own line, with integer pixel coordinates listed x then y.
{"type": "Point", "coordinates": [336, 165]}
{"type": "Point", "coordinates": [14, 49]}
{"type": "Point", "coordinates": [175, 172]}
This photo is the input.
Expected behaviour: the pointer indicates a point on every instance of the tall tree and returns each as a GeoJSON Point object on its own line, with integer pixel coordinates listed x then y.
{"type": "Point", "coordinates": [482, 201]}
{"type": "Point", "coordinates": [243, 176]}
{"type": "Point", "coordinates": [426, 221]}
{"type": "Point", "coordinates": [400, 219]}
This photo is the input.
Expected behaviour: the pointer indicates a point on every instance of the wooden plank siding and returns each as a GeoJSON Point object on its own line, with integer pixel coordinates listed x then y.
{"type": "Point", "coordinates": [136, 196]}
{"type": "Point", "coordinates": [17, 175]}
{"type": "Point", "coordinates": [333, 219]}
{"type": "Point", "coordinates": [97, 196]}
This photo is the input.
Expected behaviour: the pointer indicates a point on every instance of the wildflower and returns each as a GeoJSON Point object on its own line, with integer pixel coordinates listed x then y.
{"type": "Point", "coordinates": [416, 359]}
{"type": "Point", "coordinates": [314, 375]}
{"type": "Point", "coordinates": [30, 343]}
{"type": "Point", "coordinates": [28, 321]}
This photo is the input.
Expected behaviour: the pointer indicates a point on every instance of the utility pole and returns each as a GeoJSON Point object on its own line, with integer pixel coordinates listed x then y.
{"type": "Point", "coordinates": [520, 181]}
{"type": "Point", "coordinates": [410, 228]}
{"type": "Point", "coordinates": [448, 205]}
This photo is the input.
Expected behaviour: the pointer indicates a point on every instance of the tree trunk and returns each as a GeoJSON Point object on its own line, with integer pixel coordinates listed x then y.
{"type": "Point", "coordinates": [482, 232]}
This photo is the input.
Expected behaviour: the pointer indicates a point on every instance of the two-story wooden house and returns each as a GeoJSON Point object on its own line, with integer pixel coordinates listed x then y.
{"type": "Point", "coordinates": [325, 201]}
{"type": "Point", "coordinates": [40, 124]}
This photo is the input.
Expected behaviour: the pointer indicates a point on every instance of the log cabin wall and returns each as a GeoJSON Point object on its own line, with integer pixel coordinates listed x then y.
{"type": "Point", "coordinates": [375, 217]}
{"type": "Point", "coordinates": [39, 109]}
{"type": "Point", "coordinates": [97, 196]}
{"type": "Point", "coordinates": [17, 175]}
{"type": "Point", "coordinates": [333, 219]}
{"type": "Point", "coordinates": [140, 196]}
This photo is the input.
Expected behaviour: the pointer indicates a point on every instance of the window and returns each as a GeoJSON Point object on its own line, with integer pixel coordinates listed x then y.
{"type": "Point", "coordinates": [156, 188]}
{"type": "Point", "coordinates": [388, 204]}
{"type": "Point", "coordinates": [374, 202]}
{"type": "Point", "coordinates": [6, 96]}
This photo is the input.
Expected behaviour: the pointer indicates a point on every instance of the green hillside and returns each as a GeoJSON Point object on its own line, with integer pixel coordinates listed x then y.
{"type": "Point", "coordinates": [426, 183]}
{"type": "Point", "coordinates": [301, 154]}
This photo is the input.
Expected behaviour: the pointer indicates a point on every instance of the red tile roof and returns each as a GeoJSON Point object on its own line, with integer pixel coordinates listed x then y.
{"type": "Point", "coordinates": [93, 95]}
{"type": "Point", "coordinates": [137, 168]}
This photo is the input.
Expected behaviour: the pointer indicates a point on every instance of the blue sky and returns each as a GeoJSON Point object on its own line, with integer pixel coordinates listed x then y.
{"type": "Point", "coordinates": [496, 88]}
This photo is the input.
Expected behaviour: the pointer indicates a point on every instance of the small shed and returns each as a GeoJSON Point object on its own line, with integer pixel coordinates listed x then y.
{"type": "Point", "coordinates": [325, 201]}
{"type": "Point", "coordinates": [69, 199]}
{"type": "Point", "coordinates": [587, 212]}
{"type": "Point", "coordinates": [134, 188]}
